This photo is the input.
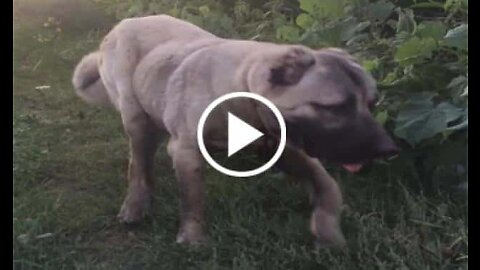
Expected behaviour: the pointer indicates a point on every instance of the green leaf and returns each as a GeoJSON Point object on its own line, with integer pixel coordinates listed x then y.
{"type": "Point", "coordinates": [449, 4]}
{"type": "Point", "coordinates": [452, 5]}
{"type": "Point", "coordinates": [225, 22]}
{"type": "Point", "coordinates": [357, 38]}
{"type": "Point", "coordinates": [304, 21]}
{"type": "Point", "coordinates": [422, 97]}
{"type": "Point", "coordinates": [204, 10]}
{"type": "Point", "coordinates": [175, 12]}
{"type": "Point", "coordinates": [381, 117]}
{"type": "Point", "coordinates": [371, 65]}
{"type": "Point", "coordinates": [154, 7]}
{"type": "Point", "coordinates": [308, 6]}
{"type": "Point", "coordinates": [324, 8]}
{"type": "Point", "coordinates": [362, 26]}
{"type": "Point", "coordinates": [419, 119]}
{"type": "Point", "coordinates": [434, 29]}
{"type": "Point", "coordinates": [406, 21]}
{"type": "Point", "coordinates": [135, 9]}
{"type": "Point", "coordinates": [401, 37]}
{"type": "Point", "coordinates": [331, 36]}
{"type": "Point", "coordinates": [380, 10]}
{"type": "Point", "coordinates": [428, 5]}
{"type": "Point", "coordinates": [390, 78]}
{"type": "Point", "coordinates": [348, 29]}
{"type": "Point", "coordinates": [465, 92]}
{"type": "Point", "coordinates": [457, 37]}
{"type": "Point", "coordinates": [288, 33]}
{"type": "Point", "coordinates": [458, 82]}
{"type": "Point", "coordinates": [241, 10]}
{"type": "Point", "coordinates": [451, 112]}
{"type": "Point", "coordinates": [462, 125]}
{"type": "Point", "coordinates": [415, 50]}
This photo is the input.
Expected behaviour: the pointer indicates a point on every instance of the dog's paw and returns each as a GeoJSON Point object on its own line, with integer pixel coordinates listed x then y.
{"type": "Point", "coordinates": [134, 209]}
{"type": "Point", "coordinates": [326, 229]}
{"type": "Point", "coordinates": [191, 233]}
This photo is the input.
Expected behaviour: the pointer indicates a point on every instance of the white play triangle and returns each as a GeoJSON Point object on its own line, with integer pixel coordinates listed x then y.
{"type": "Point", "coordinates": [240, 134]}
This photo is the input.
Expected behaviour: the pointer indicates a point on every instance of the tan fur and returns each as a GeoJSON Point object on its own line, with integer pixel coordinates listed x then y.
{"type": "Point", "coordinates": [160, 73]}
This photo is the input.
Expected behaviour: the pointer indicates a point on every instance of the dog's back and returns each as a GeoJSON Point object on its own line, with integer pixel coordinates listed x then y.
{"type": "Point", "coordinates": [123, 48]}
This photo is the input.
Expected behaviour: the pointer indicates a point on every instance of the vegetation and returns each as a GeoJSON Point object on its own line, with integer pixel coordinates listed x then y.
{"type": "Point", "coordinates": [405, 213]}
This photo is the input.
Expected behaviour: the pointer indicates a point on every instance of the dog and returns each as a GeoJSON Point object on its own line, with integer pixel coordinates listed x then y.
{"type": "Point", "coordinates": [160, 73]}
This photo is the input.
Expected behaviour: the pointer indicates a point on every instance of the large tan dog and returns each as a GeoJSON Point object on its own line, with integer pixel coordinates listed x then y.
{"type": "Point", "coordinates": [160, 73]}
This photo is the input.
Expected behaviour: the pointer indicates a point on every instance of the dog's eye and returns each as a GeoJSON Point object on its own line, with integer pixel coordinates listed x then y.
{"type": "Point", "coordinates": [337, 108]}
{"type": "Point", "coordinates": [345, 107]}
{"type": "Point", "coordinates": [334, 108]}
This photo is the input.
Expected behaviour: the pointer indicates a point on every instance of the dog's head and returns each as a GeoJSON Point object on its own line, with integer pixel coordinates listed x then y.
{"type": "Point", "coordinates": [326, 98]}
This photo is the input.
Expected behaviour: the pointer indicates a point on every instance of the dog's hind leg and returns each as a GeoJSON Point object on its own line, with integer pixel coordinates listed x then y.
{"type": "Point", "coordinates": [188, 165]}
{"type": "Point", "coordinates": [326, 196]}
{"type": "Point", "coordinates": [120, 57]}
{"type": "Point", "coordinates": [143, 139]}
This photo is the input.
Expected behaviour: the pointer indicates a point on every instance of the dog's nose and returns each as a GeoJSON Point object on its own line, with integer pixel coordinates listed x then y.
{"type": "Point", "coordinates": [387, 148]}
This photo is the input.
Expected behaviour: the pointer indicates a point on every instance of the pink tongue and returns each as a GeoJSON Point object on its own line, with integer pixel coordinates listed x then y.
{"type": "Point", "coordinates": [353, 168]}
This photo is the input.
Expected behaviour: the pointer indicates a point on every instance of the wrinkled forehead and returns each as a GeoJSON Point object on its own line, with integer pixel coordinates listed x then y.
{"type": "Point", "coordinates": [338, 61]}
{"type": "Point", "coordinates": [334, 78]}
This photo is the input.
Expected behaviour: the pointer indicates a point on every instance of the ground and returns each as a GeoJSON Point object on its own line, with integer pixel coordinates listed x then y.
{"type": "Point", "coordinates": [70, 162]}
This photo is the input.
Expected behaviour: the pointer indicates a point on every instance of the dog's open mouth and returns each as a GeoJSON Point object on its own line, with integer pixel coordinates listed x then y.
{"type": "Point", "coordinates": [353, 168]}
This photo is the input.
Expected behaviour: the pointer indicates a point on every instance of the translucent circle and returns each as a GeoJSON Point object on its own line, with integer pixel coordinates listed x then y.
{"type": "Point", "coordinates": [230, 172]}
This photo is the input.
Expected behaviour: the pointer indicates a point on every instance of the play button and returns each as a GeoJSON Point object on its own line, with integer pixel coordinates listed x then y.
{"type": "Point", "coordinates": [240, 134]}
{"type": "Point", "coordinates": [236, 125]}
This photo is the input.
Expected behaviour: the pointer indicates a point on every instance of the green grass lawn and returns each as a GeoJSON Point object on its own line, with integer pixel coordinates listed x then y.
{"type": "Point", "coordinates": [70, 162]}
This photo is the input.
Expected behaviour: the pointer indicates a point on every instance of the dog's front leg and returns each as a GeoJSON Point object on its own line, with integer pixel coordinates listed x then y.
{"type": "Point", "coordinates": [326, 196]}
{"type": "Point", "coordinates": [188, 165]}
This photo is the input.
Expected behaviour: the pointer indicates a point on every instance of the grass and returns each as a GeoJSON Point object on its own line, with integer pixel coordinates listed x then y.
{"type": "Point", "coordinates": [70, 163]}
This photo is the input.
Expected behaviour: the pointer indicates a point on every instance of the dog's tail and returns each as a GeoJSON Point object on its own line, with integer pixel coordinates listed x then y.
{"type": "Point", "coordinates": [87, 81]}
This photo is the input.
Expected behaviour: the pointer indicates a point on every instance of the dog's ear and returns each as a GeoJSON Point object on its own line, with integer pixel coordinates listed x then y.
{"type": "Point", "coordinates": [291, 66]}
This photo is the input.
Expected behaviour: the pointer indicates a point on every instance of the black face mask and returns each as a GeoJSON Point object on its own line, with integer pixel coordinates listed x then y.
{"type": "Point", "coordinates": [357, 142]}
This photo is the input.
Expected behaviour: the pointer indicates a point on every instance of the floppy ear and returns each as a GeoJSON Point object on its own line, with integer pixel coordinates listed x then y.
{"type": "Point", "coordinates": [291, 66]}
